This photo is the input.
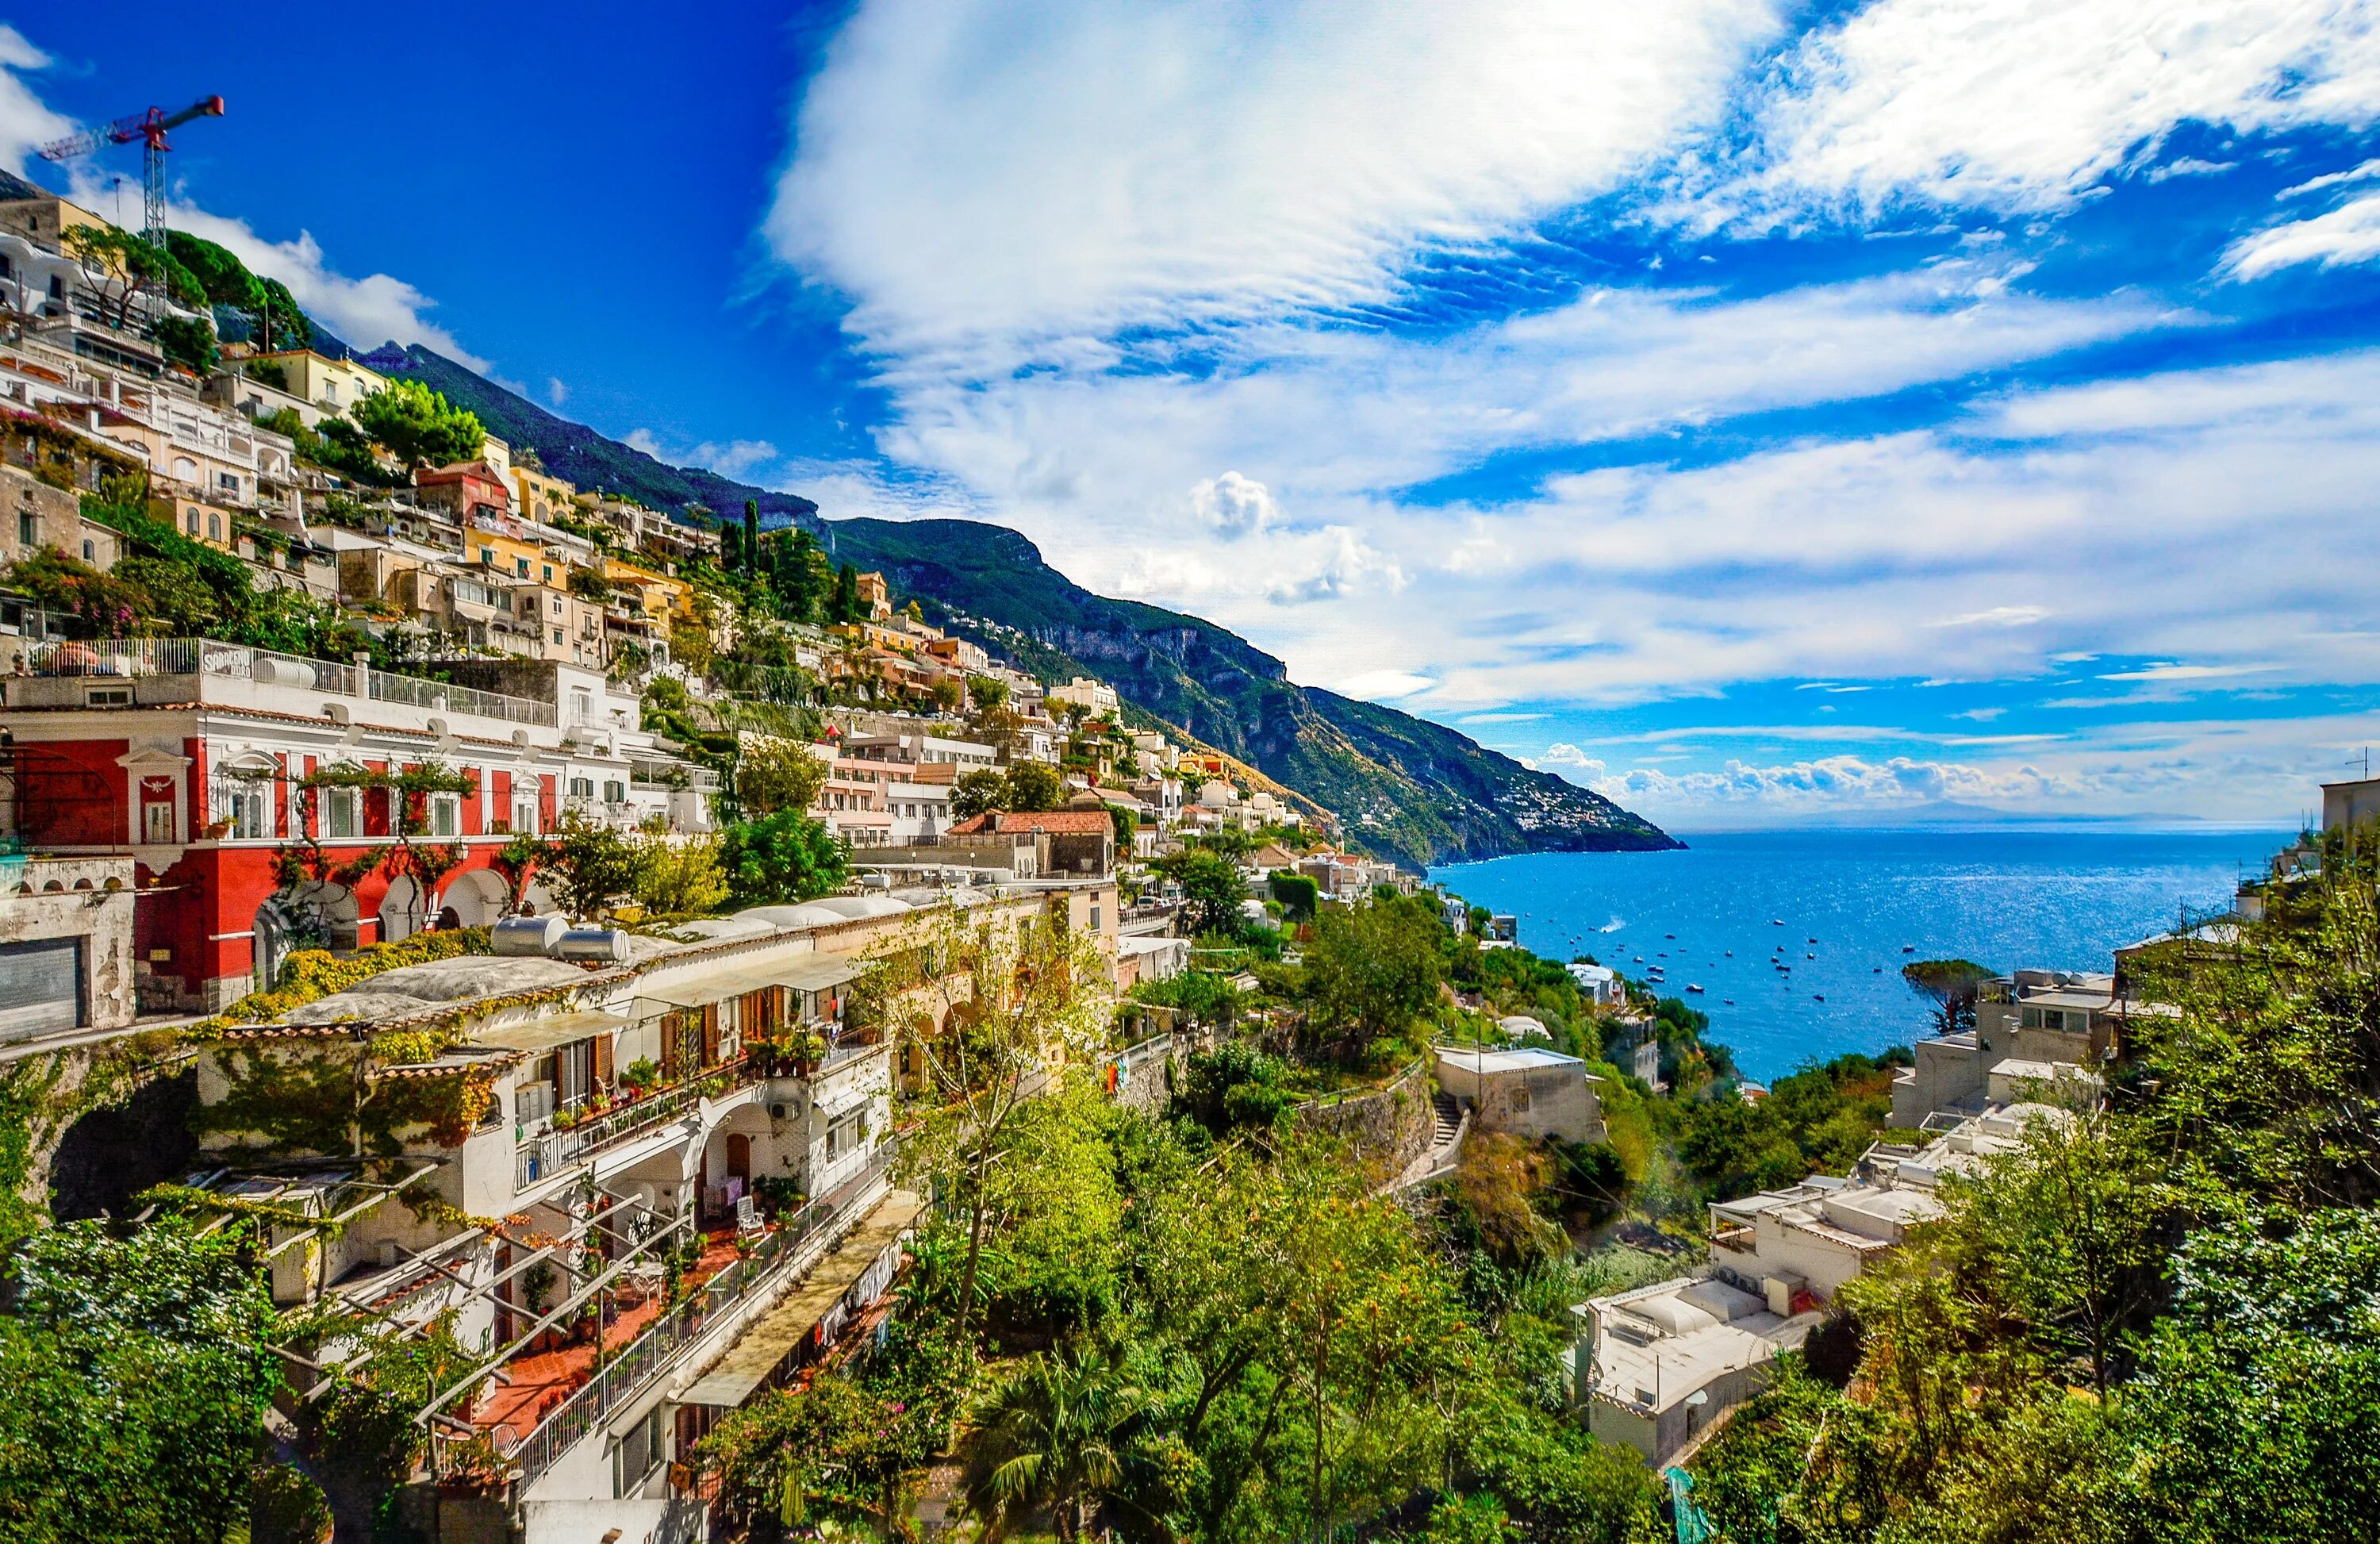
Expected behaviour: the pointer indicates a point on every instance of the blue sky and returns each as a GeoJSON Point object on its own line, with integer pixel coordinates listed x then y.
{"type": "Point", "coordinates": [1755, 411]}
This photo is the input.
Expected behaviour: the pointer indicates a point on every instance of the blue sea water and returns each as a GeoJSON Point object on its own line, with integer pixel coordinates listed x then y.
{"type": "Point", "coordinates": [1849, 902]}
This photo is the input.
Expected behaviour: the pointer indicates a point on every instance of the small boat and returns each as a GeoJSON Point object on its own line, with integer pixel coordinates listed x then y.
{"type": "Point", "coordinates": [1727, 1002]}
{"type": "Point", "coordinates": [1880, 970]}
{"type": "Point", "coordinates": [1730, 954]}
{"type": "Point", "coordinates": [1809, 957]}
{"type": "Point", "coordinates": [1776, 921]}
{"type": "Point", "coordinates": [1908, 948]}
{"type": "Point", "coordinates": [1819, 996]}
{"type": "Point", "coordinates": [1694, 986]}
{"type": "Point", "coordinates": [1668, 935]}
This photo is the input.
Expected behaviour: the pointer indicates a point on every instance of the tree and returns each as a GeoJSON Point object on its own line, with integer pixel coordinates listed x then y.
{"type": "Point", "coordinates": [138, 1377]}
{"type": "Point", "coordinates": [1059, 1432]}
{"type": "Point", "coordinates": [222, 276]}
{"type": "Point", "coordinates": [1373, 968]}
{"type": "Point", "coordinates": [681, 877]}
{"type": "Point", "coordinates": [689, 644]}
{"type": "Point", "coordinates": [189, 340]}
{"type": "Point", "coordinates": [123, 270]}
{"type": "Point", "coordinates": [752, 530]}
{"type": "Point", "coordinates": [591, 584]}
{"type": "Point", "coordinates": [1951, 986]}
{"type": "Point", "coordinates": [280, 323]}
{"type": "Point", "coordinates": [989, 693]}
{"type": "Point", "coordinates": [843, 602]}
{"type": "Point", "coordinates": [994, 1003]}
{"type": "Point", "coordinates": [2064, 1226]}
{"type": "Point", "coordinates": [516, 863]}
{"type": "Point", "coordinates": [773, 774]}
{"type": "Point", "coordinates": [781, 858]}
{"type": "Point", "coordinates": [1299, 895]}
{"type": "Point", "coordinates": [1211, 891]}
{"type": "Point", "coordinates": [417, 425]}
{"type": "Point", "coordinates": [1033, 785]}
{"type": "Point", "coordinates": [589, 865]}
{"type": "Point", "coordinates": [977, 793]}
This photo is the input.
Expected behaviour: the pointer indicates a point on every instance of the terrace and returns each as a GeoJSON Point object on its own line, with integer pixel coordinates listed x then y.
{"type": "Point", "coordinates": [611, 1341]}
{"type": "Point", "coordinates": [177, 670]}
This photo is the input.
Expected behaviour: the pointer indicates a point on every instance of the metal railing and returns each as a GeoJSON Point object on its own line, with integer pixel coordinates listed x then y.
{"type": "Point", "coordinates": [129, 658]}
{"type": "Point", "coordinates": [540, 1158]}
{"type": "Point", "coordinates": [646, 1357]}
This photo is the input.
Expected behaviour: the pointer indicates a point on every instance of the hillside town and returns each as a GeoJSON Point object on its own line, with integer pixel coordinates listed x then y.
{"type": "Point", "coordinates": [630, 1033]}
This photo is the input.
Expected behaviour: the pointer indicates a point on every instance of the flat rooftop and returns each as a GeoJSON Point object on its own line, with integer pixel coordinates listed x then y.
{"type": "Point", "coordinates": [1692, 1331]}
{"type": "Point", "coordinates": [1521, 1059]}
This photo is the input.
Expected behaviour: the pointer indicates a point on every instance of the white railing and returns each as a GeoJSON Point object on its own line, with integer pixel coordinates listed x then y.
{"type": "Point", "coordinates": [132, 657]}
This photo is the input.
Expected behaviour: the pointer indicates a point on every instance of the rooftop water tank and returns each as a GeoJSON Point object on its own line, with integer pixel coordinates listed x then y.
{"type": "Point", "coordinates": [527, 935]}
{"type": "Point", "coordinates": [269, 672]}
{"type": "Point", "coordinates": [595, 946]}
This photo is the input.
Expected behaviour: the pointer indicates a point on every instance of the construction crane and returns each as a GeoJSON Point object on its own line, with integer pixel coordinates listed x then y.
{"type": "Point", "coordinates": [149, 128]}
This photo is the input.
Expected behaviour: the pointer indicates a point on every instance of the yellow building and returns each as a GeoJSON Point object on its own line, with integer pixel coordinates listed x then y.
{"type": "Point", "coordinates": [659, 596]}
{"type": "Point", "coordinates": [544, 497]}
{"type": "Point", "coordinates": [334, 384]}
{"type": "Point", "coordinates": [511, 557]}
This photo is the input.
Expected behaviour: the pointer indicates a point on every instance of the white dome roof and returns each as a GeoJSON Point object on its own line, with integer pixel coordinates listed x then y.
{"type": "Point", "coordinates": [810, 914]}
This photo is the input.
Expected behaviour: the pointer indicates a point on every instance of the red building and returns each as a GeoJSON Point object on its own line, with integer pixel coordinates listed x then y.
{"type": "Point", "coordinates": [466, 489]}
{"type": "Point", "coordinates": [195, 757]}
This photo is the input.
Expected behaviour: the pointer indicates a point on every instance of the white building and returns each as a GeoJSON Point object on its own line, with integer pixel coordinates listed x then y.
{"type": "Point", "coordinates": [1530, 1091]}
{"type": "Point", "coordinates": [1096, 698]}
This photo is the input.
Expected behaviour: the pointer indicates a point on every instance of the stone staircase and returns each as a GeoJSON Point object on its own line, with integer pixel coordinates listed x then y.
{"type": "Point", "coordinates": [1450, 1120]}
{"type": "Point", "coordinates": [1445, 1151]}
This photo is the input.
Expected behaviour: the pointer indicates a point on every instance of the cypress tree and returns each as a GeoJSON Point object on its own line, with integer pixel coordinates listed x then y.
{"type": "Point", "coordinates": [752, 526]}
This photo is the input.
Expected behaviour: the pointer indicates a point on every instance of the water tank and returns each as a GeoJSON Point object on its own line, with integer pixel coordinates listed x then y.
{"type": "Point", "coordinates": [281, 673]}
{"type": "Point", "coordinates": [601, 945]}
{"type": "Point", "coordinates": [527, 935]}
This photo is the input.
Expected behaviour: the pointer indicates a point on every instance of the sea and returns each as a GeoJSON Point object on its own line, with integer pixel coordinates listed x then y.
{"type": "Point", "coordinates": [1844, 909]}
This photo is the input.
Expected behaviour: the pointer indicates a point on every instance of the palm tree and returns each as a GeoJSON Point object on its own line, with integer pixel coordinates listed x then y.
{"type": "Point", "coordinates": [1056, 1434]}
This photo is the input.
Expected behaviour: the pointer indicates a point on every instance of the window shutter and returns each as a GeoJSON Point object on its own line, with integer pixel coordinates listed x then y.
{"type": "Point", "coordinates": [603, 1061]}
{"type": "Point", "coordinates": [710, 1035]}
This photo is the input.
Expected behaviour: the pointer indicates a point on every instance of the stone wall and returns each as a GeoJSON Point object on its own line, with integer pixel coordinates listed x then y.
{"type": "Point", "coordinates": [1144, 1074]}
{"type": "Point", "coordinates": [1388, 1130]}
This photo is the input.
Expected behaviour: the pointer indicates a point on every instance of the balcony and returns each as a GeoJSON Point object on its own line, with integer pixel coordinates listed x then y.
{"type": "Point", "coordinates": [138, 659]}
{"type": "Point", "coordinates": [666, 1340]}
{"type": "Point", "coordinates": [539, 1157]}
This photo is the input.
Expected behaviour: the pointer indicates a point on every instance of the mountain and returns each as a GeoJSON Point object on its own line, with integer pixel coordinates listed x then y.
{"type": "Point", "coordinates": [1408, 789]}
{"type": "Point", "coordinates": [576, 453]}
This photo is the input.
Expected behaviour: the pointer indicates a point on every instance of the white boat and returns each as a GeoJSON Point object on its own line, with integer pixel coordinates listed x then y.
{"type": "Point", "coordinates": [1694, 986]}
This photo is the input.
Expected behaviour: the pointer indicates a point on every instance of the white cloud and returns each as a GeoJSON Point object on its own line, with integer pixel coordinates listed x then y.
{"type": "Point", "coordinates": [1996, 616]}
{"type": "Point", "coordinates": [646, 441]}
{"type": "Point", "coordinates": [987, 183]}
{"type": "Point", "coordinates": [736, 458]}
{"type": "Point", "coordinates": [2350, 233]}
{"type": "Point", "coordinates": [2187, 672]}
{"type": "Point", "coordinates": [367, 313]}
{"type": "Point", "coordinates": [1232, 505]}
{"type": "Point", "coordinates": [26, 121]}
{"type": "Point", "coordinates": [1383, 686]}
{"type": "Point", "coordinates": [556, 393]}
{"type": "Point", "coordinates": [2027, 105]}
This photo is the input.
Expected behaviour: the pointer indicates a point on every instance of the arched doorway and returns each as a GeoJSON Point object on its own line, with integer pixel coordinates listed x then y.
{"type": "Point", "coordinates": [476, 897]}
{"type": "Point", "coordinates": [739, 1158]}
{"type": "Point", "coordinates": [402, 910]}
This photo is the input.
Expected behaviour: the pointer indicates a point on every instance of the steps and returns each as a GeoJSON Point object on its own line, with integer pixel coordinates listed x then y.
{"type": "Point", "coordinates": [1450, 1117]}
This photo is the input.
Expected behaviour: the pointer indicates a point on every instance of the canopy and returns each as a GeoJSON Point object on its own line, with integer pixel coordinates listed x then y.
{"type": "Point", "coordinates": [543, 1034]}
{"type": "Point", "coordinates": [756, 1354]}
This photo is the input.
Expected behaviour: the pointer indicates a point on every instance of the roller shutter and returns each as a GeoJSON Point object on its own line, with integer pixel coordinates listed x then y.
{"type": "Point", "coordinates": [41, 988]}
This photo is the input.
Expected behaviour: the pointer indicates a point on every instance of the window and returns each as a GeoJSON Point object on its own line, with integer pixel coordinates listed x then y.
{"type": "Point", "coordinates": [549, 573]}
{"type": "Point", "coordinates": [331, 392]}
{"type": "Point", "coordinates": [28, 529]}
{"type": "Point", "coordinates": [846, 1135]}
{"type": "Point", "coordinates": [109, 696]}
{"type": "Point", "coordinates": [487, 555]}
{"type": "Point", "coordinates": [157, 822]}
{"type": "Point", "coordinates": [557, 600]}
{"type": "Point", "coordinates": [228, 481]}
{"type": "Point", "coordinates": [520, 567]}
{"type": "Point", "coordinates": [582, 787]}
{"type": "Point", "coordinates": [343, 813]}
{"type": "Point", "coordinates": [557, 635]}
{"type": "Point", "coordinates": [215, 528]}
{"type": "Point", "coordinates": [190, 521]}
{"type": "Point", "coordinates": [89, 550]}
{"type": "Point", "coordinates": [616, 793]}
{"type": "Point", "coordinates": [445, 815]}
{"type": "Point", "coordinates": [243, 802]}
{"type": "Point", "coordinates": [524, 815]}
{"type": "Point", "coordinates": [641, 1452]}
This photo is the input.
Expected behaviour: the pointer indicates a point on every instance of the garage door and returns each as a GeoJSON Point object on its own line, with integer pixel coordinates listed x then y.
{"type": "Point", "coordinates": [41, 988]}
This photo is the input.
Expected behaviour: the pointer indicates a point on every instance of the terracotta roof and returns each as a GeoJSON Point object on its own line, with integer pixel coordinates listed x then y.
{"type": "Point", "coordinates": [1057, 822]}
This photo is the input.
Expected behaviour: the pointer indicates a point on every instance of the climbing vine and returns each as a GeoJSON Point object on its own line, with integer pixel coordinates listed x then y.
{"type": "Point", "coordinates": [311, 973]}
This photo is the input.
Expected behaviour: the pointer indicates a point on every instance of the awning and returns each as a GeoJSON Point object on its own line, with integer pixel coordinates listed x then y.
{"type": "Point", "coordinates": [543, 1034]}
{"type": "Point", "coordinates": [761, 1350]}
{"type": "Point", "coordinates": [820, 971]}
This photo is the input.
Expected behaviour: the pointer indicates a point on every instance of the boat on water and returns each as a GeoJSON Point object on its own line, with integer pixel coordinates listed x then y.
{"type": "Point", "coordinates": [1776, 921]}
{"type": "Point", "coordinates": [1727, 1002]}
{"type": "Point", "coordinates": [1819, 996]}
{"type": "Point", "coordinates": [1694, 986]}
{"type": "Point", "coordinates": [1908, 948]}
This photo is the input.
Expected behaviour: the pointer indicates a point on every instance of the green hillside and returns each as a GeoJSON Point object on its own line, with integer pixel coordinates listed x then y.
{"type": "Point", "coordinates": [1409, 789]}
